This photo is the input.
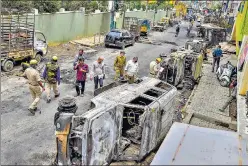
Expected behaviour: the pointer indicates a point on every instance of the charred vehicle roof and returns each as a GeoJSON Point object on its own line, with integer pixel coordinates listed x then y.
{"type": "Point", "coordinates": [127, 122]}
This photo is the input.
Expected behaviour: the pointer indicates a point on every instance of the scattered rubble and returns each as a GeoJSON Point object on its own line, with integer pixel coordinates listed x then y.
{"type": "Point", "coordinates": [90, 41]}
{"type": "Point", "coordinates": [228, 48]}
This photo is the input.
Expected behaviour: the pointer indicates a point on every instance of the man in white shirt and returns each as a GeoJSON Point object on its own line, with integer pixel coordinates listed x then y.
{"type": "Point", "coordinates": [131, 70]}
{"type": "Point", "coordinates": [98, 72]}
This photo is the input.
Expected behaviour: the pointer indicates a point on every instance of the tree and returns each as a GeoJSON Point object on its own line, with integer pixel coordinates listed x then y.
{"type": "Point", "coordinates": [45, 6]}
{"type": "Point", "coordinates": [23, 6]}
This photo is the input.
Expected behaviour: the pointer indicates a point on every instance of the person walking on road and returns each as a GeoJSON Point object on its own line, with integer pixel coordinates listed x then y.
{"type": "Point", "coordinates": [217, 53]}
{"type": "Point", "coordinates": [177, 29]}
{"type": "Point", "coordinates": [51, 75]}
{"type": "Point", "coordinates": [189, 28]}
{"type": "Point", "coordinates": [80, 54]}
{"type": "Point", "coordinates": [131, 70]}
{"type": "Point", "coordinates": [35, 84]}
{"type": "Point", "coordinates": [154, 67]}
{"type": "Point", "coordinates": [82, 69]}
{"type": "Point", "coordinates": [119, 64]}
{"type": "Point", "coordinates": [98, 72]}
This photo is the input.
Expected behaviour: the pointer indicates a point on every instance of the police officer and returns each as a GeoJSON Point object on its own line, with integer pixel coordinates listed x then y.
{"type": "Point", "coordinates": [35, 84]}
{"type": "Point", "coordinates": [154, 67]}
{"type": "Point", "coordinates": [119, 65]}
{"type": "Point", "coordinates": [52, 76]}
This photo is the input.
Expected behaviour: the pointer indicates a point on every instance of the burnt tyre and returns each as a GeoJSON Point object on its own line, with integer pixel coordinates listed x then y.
{"type": "Point", "coordinates": [7, 65]}
{"type": "Point", "coordinates": [67, 105]}
{"type": "Point", "coordinates": [38, 57]}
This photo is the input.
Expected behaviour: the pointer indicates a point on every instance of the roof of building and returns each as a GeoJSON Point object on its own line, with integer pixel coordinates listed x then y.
{"type": "Point", "coordinates": [192, 145]}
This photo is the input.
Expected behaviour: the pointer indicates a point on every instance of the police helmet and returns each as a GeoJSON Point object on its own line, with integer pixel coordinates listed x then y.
{"type": "Point", "coordinates": [55, 58]}
{"type": "Point", "coordinates": [33, 62]}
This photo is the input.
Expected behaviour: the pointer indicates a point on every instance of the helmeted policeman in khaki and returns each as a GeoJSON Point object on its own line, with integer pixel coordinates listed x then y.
{"type": "Point", "coordinates": [119, 65]}
{"type": "Point", "coordinates": [52, 76]}
{"type": "Point", "coordinates": [35, 84]}
{"type": "Point", "coordinates": [154, 67]}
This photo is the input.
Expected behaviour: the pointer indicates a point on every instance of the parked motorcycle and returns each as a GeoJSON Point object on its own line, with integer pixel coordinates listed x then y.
{"type": "Point", "coordinates": [226, 73]}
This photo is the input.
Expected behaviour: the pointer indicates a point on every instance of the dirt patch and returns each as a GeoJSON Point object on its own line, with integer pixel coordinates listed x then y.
{"type": "Point", "coordinates": [67, 76]}
{"type": "Point", "coordinates": [10, 106]}
{"type": "Point", "coordinates": [44, 158]}
{"type": "Point", "coordinates": [168, 42]}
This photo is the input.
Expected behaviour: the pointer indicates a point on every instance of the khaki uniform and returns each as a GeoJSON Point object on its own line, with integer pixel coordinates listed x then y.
{"type": "Point", "coordinates": [34, 87]}
{"type": "Point", "coordinates": [50, 86]}
{"type": "Point", "coordinates": [119, 64]}
{"type": "Point", "coordinates": [154, 68]}
{"type": "Point", "coordinates": [130, 79]}
{"type": "Point", "coordinates": [51, 71]}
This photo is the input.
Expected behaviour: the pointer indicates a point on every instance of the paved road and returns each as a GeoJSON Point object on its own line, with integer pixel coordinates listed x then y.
{"type": "Point", "coordinates": [30, 139]}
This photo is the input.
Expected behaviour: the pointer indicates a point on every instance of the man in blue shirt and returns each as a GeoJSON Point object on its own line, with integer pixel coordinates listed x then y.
{"type": "Point", "coordinates": [217, 53]}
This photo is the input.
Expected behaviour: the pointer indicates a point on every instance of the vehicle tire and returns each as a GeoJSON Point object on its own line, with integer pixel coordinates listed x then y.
{"type": "Point", "coordinates": [136, 38]}
{"type": "Point", "coordinates": [106, 45]}
{"type": "Point", "coordinates": [38, 57]}
{"type": "Point", "coordinates": [224, 81]}
{"type": "Point", "coordinates": [123, 46]}
{"type": "Point", "coordinates": [133, 43]}
{"type": "Point", "coordinates": [8, 65]}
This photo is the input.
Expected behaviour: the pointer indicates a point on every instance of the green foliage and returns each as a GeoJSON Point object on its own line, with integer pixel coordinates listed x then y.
{"type": "Point", "coordinates": [143, 6]}
{"type": "Point", "coordinates": [217, 6]}
{"type": "Point", "coordinates": [71, 5]}
{"type": "Point", "coordinates": [44, 6]}
{"type": "Point", "coordinates": [17, 5]}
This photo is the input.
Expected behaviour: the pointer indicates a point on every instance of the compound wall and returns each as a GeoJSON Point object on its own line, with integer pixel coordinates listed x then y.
{"type": "Point", "coordinates": [65, 26]}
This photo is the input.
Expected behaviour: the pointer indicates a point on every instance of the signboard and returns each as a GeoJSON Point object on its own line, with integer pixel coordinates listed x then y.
{"type": "Point", "coordinates": [152, 1]}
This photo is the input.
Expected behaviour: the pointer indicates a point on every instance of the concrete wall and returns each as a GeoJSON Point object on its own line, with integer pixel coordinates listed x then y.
{"type": "Point", "coordinates": [63, 27]}
{"type": "Point", "coordinates": [66, 26]}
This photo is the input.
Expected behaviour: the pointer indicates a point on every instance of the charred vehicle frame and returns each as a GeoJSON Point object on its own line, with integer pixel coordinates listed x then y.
{"type": "Point", "coordinates": [126, 122]}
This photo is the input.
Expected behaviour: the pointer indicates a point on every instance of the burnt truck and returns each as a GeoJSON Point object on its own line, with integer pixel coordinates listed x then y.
{"type": "Point", "coordinates": [19, 39]}
{"type": "Point", "coordinates": [132, 25]}
{"type": "Point", "coordinates": [160, 26]}
{"type": "Point", "coordinates": [126, 122]}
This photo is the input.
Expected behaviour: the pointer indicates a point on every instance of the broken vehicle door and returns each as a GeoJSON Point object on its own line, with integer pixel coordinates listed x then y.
{"type": "Point", "coordinates": [99, 135]}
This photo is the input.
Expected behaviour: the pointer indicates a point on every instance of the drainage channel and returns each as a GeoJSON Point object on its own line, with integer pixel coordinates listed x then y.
{"type": "Point", "coordinates": [209, 122]}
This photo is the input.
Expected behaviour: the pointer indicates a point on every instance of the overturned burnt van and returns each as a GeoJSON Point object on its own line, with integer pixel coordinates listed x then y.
{"type": "Point", "coordinates": [126, 122]}
{"type": "Point", "coordinates": [182, 66]}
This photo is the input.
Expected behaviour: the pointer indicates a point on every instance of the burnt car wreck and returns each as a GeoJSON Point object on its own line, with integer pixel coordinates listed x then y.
{"type": "Point", "coordinates": [181, 67]}
{"type": "Point", "coordinates": [126, 122]}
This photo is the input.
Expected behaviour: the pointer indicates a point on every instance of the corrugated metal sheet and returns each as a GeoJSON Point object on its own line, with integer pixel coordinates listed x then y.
{"type": "Point", "coordinates": [191, 145]}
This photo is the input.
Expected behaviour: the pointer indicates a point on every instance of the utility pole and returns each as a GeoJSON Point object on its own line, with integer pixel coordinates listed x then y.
{"type": "Point", "coordinates": [124, 13]}
{"type": "Point", "coordinates": [112, 6]}
{"type": "Point", "coordinates": [221, 8]}
{"type": "Point", "coordinates": [146, 7]}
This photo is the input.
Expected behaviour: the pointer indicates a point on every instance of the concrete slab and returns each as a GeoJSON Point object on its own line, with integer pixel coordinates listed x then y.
{"type": "Point", "coordinates": [210, 96]}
